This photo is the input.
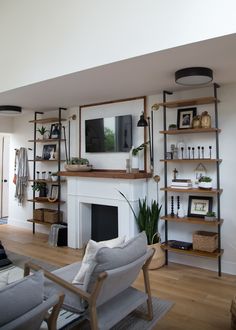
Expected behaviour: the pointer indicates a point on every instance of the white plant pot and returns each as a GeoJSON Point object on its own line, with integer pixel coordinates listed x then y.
{"type": "Point", "coordinates": [135, 163]}
{"type": "Point", "coordinates": [205, 185]}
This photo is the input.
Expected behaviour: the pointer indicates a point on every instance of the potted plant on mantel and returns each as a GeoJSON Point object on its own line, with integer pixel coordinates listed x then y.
{"type": "Point", "coordinates": [135, 156]}
{"type": "Point", "coordinates": [147, 220]}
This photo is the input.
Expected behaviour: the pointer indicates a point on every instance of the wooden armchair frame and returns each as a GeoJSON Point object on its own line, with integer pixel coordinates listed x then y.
{"type": "Point", "coordinates": [91, 298]}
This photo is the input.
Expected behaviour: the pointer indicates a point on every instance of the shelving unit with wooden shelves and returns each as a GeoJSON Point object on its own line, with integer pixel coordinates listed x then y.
{"type": "Point", "coordinates": [216, 192]}
{"type": "Point", "coordinates": [38, 142]}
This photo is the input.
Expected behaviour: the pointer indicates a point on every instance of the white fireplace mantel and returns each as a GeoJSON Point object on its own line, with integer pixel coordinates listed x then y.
{"type": "Point", "coordinates": [84, 191]}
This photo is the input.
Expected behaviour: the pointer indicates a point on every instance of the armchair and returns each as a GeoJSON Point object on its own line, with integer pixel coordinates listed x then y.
{"type": "Point", "coordinates": [107, 295]}
{"type": "Point", "coordinates": [22, 305]}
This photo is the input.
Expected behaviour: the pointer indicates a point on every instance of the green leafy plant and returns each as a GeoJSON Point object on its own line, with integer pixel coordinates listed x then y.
{"type": "Point", "coordinates": [78, 161]}
{"type": "Point", "coordinates": [139, 148]}
{"type": "Point", "coordinates": [205, 179]}
{"type": "Point", "coordinates": [147, 219]}
{"type": "Point", "coordinates": [42, 130]}
{"type": "Point", "coordinates": [211, 214]}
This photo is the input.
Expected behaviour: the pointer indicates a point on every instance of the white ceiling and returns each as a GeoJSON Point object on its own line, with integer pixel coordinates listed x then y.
{"type": "Point", "coordinates": [144, 75]}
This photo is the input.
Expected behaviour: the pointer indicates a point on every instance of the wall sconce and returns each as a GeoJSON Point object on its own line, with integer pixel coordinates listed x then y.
{"type": "Point", "coordinates": [148, 123]}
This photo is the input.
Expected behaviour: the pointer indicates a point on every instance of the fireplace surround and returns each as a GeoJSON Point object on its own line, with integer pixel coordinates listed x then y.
{"type": "Point", "coordinates": [83, 191]}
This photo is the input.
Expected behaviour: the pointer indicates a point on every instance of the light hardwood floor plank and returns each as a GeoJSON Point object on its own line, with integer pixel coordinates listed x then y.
{"type": "Point", "coordinates": [201, 299]}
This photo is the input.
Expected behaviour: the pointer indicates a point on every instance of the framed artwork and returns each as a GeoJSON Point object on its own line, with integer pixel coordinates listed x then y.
{"type": "Point", "coordinates": [198, 206]}
{"type": "Point", "coordinates": [185, 117]}
{"type": "Point", "coordinates": [48, 151]}
{"type": "Point", "coordinates": [53, 193]}
{"type": "Point", "coordinates": [54, 132]}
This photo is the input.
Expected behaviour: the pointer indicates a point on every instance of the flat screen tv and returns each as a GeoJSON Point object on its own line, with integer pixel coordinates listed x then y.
{"type": "Point", "coordinates": [113, 134]}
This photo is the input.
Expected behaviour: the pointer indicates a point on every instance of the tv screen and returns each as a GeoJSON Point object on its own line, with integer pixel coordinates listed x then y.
{"type": "Point", "coordinates": [112, 134]}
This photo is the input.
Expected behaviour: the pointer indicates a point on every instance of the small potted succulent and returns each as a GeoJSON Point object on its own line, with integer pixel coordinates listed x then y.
{"type": "Point", "coordinates": [172, 127]}
{"type": "Point", "coordinates": [205, 182]}
{"type": "Point", "coordinates": [54, 176]}
{"type": "Point", "coordinates": [210, 216]}
{"type": "Point", "coordinates": [41, 187]}
{"type": "Point", "coordinates": [42, 131]}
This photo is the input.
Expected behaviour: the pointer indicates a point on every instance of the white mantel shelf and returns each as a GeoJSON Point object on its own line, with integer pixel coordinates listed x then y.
{"type": "Point", "coordinates": [109, 174]}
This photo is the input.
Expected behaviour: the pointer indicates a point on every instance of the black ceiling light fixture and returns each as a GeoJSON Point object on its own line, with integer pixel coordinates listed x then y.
{"type": "Point", "coordinates": [193, 76]}
{"type": "Point", "coordinates": [9, 109]}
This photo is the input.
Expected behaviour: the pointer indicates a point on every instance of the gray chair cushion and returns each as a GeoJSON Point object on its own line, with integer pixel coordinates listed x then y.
{"type": "Point", "coordinates": [72, 301]}
{"type": "Point", "coordinates": [107, 258]}
{"type": "Point", "coordinates": [20, 297]}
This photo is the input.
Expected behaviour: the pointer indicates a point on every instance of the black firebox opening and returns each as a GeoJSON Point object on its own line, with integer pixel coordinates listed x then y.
{"type": "Point", "coordinates": [104, 222]}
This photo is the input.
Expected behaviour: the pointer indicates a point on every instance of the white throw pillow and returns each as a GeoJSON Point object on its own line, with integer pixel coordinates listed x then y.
{"type": "Point", "coordinates": [90, 252]}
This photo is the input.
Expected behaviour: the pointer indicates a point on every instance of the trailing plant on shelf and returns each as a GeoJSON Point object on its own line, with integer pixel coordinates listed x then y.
{"type": "Point", "coordinates": [142, 146]}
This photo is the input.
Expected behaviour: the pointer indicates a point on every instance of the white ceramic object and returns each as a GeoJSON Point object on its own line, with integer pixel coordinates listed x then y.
{"type": "Point", "coordinates": [205, 185]}
{"type": "Point", "coordinates": [78, 168]}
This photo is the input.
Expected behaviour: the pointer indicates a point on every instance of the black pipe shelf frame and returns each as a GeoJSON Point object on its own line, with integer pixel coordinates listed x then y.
{"type": "Point", "coordinates": [217, 192]}
{"type": "Point", "coordinates": [47, 120]}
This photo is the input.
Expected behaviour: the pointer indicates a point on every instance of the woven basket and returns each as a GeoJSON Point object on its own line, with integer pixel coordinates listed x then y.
{"type": "Point", "coordinates": [38, 214]}
{"type": "Point", "coordinates": [205, 241]}
{"type": "Point", "coordinates": [51, 216]}
{"type": "Point", "coordinates": [233, 314]}
{"type": "Point", "coordinates": [158, 259]}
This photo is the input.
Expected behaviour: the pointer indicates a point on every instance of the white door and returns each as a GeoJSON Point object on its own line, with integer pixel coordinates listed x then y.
{"type": "Point", "coordinates": [4, 174]}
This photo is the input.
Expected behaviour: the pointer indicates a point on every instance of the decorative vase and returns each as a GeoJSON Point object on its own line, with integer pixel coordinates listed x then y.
{"type": "Point", "coordinates": [135, 164]}
{"type": "Point", "coordinates": [158, 259]}
{"type": "Point", "coordinates": [205, 120]}
{"type": "Point", "coordinates": [196, 123]}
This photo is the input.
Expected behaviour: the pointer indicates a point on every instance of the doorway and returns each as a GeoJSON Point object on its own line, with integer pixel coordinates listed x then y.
{"type": "Point", "coordinates": [4, 174]}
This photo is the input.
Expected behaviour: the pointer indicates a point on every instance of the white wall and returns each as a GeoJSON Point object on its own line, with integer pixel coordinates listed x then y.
{"type": "Point", "coordinates": [6, 124]}
{"type": "Point", "coordinates": [45, 39]}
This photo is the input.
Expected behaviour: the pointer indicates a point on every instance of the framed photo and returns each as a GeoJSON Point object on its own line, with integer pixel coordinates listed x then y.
{"type": "Point", "coordinates": [53, 193]}
{"type": "Point", "coordinates": [54, 132]}
{"type": "Point", "coordinates": [185, 117]}
{"type": "Point", "coordinates": [48, 150]}
{"type": "Point", "coordinates": [198, 206]}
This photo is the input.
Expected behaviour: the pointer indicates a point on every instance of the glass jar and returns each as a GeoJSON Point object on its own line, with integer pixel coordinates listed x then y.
{"type": "Point", "coordinates": [205, 120]}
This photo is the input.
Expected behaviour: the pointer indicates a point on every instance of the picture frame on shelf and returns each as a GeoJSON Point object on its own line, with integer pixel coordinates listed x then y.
{"type": "Point", "coordinates": [48, 151]}
{"type": "Point", "coordinates": [53, 197]}
{"type": "Point", "coordinates": [54, 131]}
{"type": "Point", "coordinates": [199, 206]}
{"type": "Point", "coordinates": [185, 117]}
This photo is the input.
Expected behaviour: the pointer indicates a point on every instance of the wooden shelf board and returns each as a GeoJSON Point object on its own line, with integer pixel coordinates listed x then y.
{"type": "Point", "coordinates": [192, 220]}
{"type": "Point", "coordinates": [46, 160]}
{"type": "Point", "coordinates": [193, 190]}
{"type": "Point", "coordinates": [46, 120]}
{"type": "Point", "coordinates": [186, 160]}
{"type": "Point", "coordinates": [197, 253]}
{"type": "Point", "coordinates": [44, 201]}
{"type": "Point", "coordinates": [191, 130]}
{"type": "Point", "coordinates": [46, 140]}
{"type": "Point", "coordinates": [189, 102]}
{"type": "Point", "coordinates": [114, 174]}
{"type": "Point", "coordinates": [47, 181]}
{"type": "Point", "coordinates": [39, 222]}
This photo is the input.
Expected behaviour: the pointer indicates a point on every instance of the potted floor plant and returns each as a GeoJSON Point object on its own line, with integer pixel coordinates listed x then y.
{"type": "Point", "coordinates": [147, 220]}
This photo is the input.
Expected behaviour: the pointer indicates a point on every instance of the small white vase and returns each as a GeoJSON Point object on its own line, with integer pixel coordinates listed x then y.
{"type": "Point", "coordinates": [135, 164]}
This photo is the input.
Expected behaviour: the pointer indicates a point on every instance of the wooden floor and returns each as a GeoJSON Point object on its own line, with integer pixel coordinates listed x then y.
{"type": "Point", "coordinates": [202, 299]}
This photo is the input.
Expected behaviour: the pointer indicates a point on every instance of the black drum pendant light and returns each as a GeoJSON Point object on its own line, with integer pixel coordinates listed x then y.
{"type": "Point", "coordinates": [9, 109]}
{"type": "Point", "coordinates": [193, 76]}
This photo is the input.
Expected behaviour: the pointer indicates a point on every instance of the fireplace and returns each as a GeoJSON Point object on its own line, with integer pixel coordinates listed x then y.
{"type": "Point", "coordinates": [83, 192]}
{"type": "Point", "coordinates": [104, 222]}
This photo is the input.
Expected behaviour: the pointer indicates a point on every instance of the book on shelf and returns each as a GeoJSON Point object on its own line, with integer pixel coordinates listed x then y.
{"type": "Point", "coordinates": [180, 187]}
{"type": "Point", "coordinates": [181, 184]}
{"type": "Point", "coordinates": [181, 180]}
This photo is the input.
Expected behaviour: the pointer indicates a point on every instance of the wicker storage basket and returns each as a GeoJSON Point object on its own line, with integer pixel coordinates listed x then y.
{"type": "Point", "coordinates": [233, 314]}
{"type": "Point", "coordinates": [38, 214]}
{"type": "Point", "coordinates": [205, 241]}
{"type": "Point", "coordinates": [51, 216]}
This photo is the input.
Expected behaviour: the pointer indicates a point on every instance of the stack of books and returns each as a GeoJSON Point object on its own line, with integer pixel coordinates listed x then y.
{"type": "Point", "coordinates": [181, 183]}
